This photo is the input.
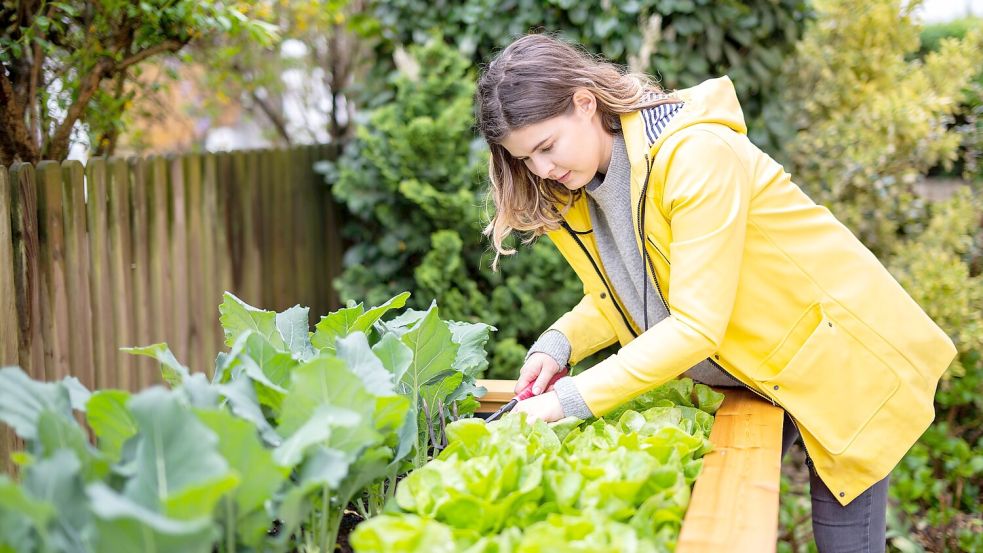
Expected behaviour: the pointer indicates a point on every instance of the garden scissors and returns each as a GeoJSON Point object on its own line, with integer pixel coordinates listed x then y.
{"type": "Point", "coordinates": [526, 393]}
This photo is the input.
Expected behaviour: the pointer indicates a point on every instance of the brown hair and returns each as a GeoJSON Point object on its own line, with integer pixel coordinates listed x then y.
{"type": "Point", "coordinates": [532, 80]}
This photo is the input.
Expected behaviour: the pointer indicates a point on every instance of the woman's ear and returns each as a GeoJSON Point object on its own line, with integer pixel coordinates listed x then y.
{"type": "Point", "coordinates": [584, 102]}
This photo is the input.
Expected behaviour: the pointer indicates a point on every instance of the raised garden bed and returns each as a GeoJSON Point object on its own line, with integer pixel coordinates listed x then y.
{"type": "Point", "coordinates": [734, 506]}
{"type": "Point", "coordinates": [297, 435]}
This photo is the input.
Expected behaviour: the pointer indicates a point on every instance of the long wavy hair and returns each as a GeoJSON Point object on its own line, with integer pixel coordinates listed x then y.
{"type": "Point", "coordinates": [533, 79]}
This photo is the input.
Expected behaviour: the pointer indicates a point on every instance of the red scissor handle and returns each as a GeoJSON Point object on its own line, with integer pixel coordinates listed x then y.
{"type": "Point", "coordinates": [526, 392]}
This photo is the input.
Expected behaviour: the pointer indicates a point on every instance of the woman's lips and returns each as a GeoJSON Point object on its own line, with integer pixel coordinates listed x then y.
{"type": "Point", "coordinates": [564, 178]}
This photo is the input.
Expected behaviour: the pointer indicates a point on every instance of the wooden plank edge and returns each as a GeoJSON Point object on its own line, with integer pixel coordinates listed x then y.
{"type": "Point", "coordinates": [734, 506]}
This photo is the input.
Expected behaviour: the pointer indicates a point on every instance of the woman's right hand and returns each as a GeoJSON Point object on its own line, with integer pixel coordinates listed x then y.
{"type": "Point", "coordinates": [539, 368]}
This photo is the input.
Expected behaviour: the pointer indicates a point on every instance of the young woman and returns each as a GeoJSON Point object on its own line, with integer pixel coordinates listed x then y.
{"type": "Point", "coordinates": [700, 256]}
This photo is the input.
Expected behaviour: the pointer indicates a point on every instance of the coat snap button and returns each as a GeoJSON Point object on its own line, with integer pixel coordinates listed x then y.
{"type": "Point", "coordinates": [603, 295]}
{"type": "Point", "coordinates": [776, 386]}
{"type": "Point", "coordinates": [842, 494]}
{"type": "Point", "coordinates": [717, 357]}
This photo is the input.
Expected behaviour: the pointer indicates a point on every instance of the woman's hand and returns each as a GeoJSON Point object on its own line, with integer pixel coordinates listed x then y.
{"type": "Point", "coordinates": [539, 368]}
{"type": "Point", "coordinates": [545, 407]}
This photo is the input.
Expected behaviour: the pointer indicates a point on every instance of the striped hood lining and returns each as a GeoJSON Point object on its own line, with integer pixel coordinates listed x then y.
{"type": "Point", "coordinates": [657, 118]}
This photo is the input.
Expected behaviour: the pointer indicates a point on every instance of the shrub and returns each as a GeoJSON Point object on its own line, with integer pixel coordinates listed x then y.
{"type": "Point", "coordinates": [870, 121]}
{"type": "Point", "coordinates": [412, 181]}
{"type": "Point", "coordinates": [682, 42]}
{"type": "Point", "coordinates": [874, 119]}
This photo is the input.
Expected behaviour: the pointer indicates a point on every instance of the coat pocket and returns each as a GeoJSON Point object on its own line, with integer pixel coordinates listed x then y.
{"type": "Point", "coordinates": [833, 385]}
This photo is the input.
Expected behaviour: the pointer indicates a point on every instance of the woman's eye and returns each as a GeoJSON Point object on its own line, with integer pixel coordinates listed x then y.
{"type": "Point", "coordinates": [547, 149]}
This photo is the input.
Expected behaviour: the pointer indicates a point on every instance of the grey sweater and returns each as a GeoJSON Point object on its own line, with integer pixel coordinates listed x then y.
{"type": "Point", "coordinates": [610, 213]}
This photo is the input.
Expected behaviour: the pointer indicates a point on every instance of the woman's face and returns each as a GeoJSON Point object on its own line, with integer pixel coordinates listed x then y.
{"type": "Point", "coordinates": [569, 148]}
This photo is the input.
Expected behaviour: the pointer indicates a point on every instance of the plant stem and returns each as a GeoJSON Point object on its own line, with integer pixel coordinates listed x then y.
{"type": "Point", "coordinates": [433, 436]}
{"type": "Point", "coordinates": [230, 523]}
{"type": "Point", "coordinates": [391, 489]}
{"type": "Point", "coordinates": [360, 506]}
{"type": "Point", "coordinates": [332, 523]}
{"type": "Point", "coordinates": [323, 533]}
{"type": "Point", "coordinates": [443, 425]}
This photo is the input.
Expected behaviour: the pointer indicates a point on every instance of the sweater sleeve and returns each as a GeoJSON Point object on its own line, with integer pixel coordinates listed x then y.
{"type": "Point", "coordinates": [570, 399]}
{"type": "Point", "coordinates": [552, 343]}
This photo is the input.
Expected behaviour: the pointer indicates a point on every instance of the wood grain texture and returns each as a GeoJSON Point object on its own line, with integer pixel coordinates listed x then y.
{"type": "Point", "coordinates": [57, 259]}
{"type": "Point", "coordinates": [734, 506]}
{"type": "Point", "coordinates": [197, 277]}
{"type": "Point", "coordinates": [103, 325]}
{"type": "Point", "coordinates": [121, 277]}
{"type": "Point", "coordinates": [499, 393]}
{"type": "Point", "coordinates": [180, 331]}
{"type": "Point", "coordinates": [9, 327]}
{"type": "Point", "coordinates": [79, 322]}
{"type": "Point", "coordinates": [27, 275]}
{"type": "Point", "coordinates": [216, 261]}
{"type": "Point", "coordinates": [147, 322]}
{"type": "Point", "coordinates": [9, 331]}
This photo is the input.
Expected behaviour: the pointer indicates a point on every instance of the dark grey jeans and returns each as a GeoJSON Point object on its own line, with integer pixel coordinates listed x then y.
{"type": "Point", "coordinates": [858, 527]}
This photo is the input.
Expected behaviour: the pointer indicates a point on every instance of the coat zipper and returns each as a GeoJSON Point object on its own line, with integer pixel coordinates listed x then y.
{"type": "Point", "coordinates": [655, 277]}
{"type": "Point", "coordinates": [624, 317]}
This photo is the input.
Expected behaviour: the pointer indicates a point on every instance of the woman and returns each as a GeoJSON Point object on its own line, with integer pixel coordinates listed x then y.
{"type": "Point", "coordinates": [700, 256]}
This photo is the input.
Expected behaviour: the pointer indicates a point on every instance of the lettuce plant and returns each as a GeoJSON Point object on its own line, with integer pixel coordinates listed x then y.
{"type": "Point", "coordinates": [618, 483]}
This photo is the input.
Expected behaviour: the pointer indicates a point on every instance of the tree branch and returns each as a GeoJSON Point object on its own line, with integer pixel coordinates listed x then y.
{"type": "Point", "coordinates": [57, 146]}
{"type": "Point", "coordinates": [37, 62]}
{"type": "Point", "coordinates": [166, 46]}
{"type": "Point", "coordinates": [270, 113]}
{"type": "Point", "coordinates": [106, 144]}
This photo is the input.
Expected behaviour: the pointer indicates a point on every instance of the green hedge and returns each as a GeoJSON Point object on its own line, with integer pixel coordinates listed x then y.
{"type": "Point", "coordinates": [682, 42]}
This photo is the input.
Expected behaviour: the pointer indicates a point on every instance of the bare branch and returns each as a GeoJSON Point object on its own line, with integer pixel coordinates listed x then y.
{"type": "Point", "coordinates": [272, 115]}
{"type": "Point", "coordinates": [57, 146]}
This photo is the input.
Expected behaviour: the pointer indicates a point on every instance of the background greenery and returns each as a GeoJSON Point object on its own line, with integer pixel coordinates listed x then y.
{"type": "Point", "coordinates": [857, 110]}
{"type": "Point", "coordinates": [858, 101]}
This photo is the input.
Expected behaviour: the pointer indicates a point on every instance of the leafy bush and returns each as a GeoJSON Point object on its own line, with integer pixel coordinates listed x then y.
{"type": "Point", "coordinates": [412, 183]}
{"type": "Point", "coordinates": [294, 426]}
{"type": "Point", "coordinates": [968, 121]}
{"type": "Point", "coordinates": [683, 42]}
{"type": "Point", "coordinates": [619, 483]}
{"type": "Point", "coordinates": [937, 485]}
{"type": "Point", "coordinates": [873, 120]}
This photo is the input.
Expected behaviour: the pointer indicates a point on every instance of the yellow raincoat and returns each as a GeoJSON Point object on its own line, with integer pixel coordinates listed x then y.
{"type": "Point", "coordinates": [767, 284]}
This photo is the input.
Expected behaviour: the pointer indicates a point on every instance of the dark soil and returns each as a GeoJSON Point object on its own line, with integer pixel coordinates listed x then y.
{"type": "Point", "coordinates": [348, 523]}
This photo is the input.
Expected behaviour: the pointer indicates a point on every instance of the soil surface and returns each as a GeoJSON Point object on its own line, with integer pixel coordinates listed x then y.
{"type": "Point", "coordinates": [348, 523]}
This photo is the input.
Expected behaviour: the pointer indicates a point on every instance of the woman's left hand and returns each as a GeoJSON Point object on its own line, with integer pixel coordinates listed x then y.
{"type": "Point", "coordinates": [545, 407]}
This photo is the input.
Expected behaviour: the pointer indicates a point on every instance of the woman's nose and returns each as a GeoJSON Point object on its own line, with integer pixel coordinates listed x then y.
{"type": "Point", "coordinates": [542, 167]}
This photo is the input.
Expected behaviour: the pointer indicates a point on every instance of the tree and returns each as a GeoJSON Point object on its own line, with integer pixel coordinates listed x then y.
{"type": "Point", "coordinates": [68, 62]}
{"type": "Point", "coordinates": [336, 38]}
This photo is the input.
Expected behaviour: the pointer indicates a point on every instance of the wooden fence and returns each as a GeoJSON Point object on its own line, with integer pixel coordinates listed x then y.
{"type": "Point", "coordinates": [127, 252]}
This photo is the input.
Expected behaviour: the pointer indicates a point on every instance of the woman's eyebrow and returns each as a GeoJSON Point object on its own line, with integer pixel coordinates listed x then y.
{"type": "Point", "coordinates": [536, 147]}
